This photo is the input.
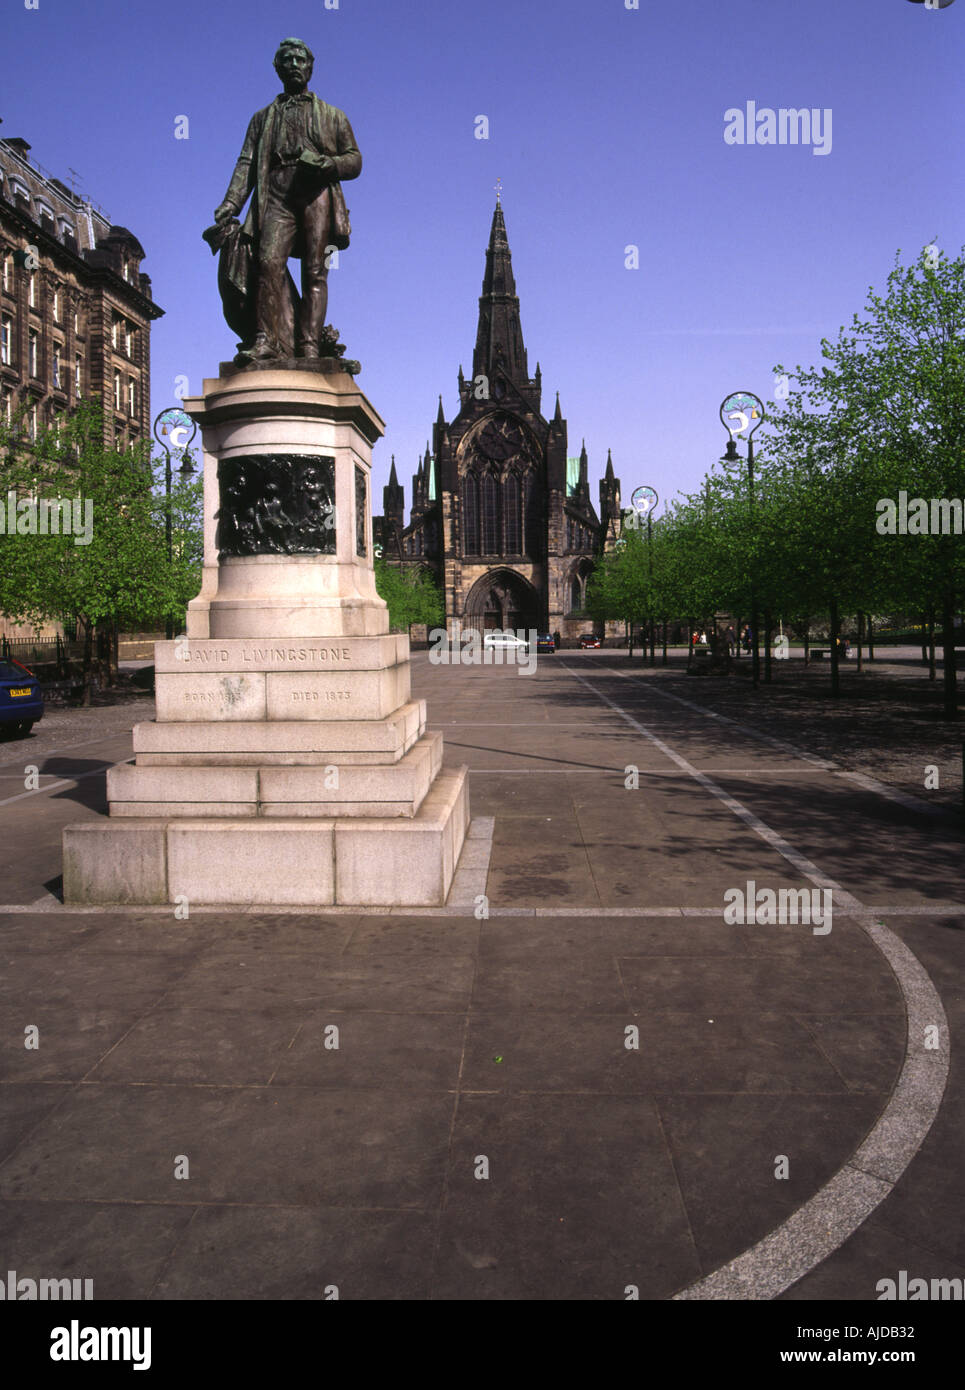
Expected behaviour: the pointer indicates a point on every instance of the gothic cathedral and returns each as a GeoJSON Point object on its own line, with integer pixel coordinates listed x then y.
{"type": "Point", "coordinates": [500, 515]}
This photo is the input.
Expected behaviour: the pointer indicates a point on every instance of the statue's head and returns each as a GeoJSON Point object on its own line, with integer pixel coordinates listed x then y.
{"type": "Point", "coordinates": [294, 62]}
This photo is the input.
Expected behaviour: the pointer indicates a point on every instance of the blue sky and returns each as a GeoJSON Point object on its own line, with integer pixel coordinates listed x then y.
{"type": "Point", "coordinates": [606, 128]}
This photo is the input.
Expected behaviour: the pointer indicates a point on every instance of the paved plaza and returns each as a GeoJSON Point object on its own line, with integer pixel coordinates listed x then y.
{"type": "Point", "coordinates": [575, 1080]}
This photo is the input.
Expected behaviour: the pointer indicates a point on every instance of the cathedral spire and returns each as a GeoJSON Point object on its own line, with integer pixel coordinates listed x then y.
{"type": "Point", "coordinates": [610, 477]}
{"type": "Point", "coordinates": [393, 480]}
{"type": "Point", "coordinates": [499, 336]}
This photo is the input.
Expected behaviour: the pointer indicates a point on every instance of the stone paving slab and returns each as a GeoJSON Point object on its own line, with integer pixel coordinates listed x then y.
{"type": "Point", "coordinates": [504, 1037]}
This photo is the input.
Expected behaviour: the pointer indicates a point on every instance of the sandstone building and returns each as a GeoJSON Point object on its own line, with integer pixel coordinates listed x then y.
{"type": "Point", "coordinates": [75, 308]}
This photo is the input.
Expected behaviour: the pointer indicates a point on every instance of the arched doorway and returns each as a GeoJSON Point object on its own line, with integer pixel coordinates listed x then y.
{"type": "Point", "coordinates": [502, 599]}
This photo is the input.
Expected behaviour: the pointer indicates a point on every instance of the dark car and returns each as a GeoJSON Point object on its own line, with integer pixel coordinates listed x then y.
{"type": "Point", "coordinates": [545, 642]}
{"type": "Point", "coordinates": [589, 639]}
{"type": "Point", "coordinates": [21, 703]}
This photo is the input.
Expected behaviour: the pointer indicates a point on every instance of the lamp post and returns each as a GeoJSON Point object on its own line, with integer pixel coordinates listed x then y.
{"type": "Point", "coordinates": [744, 411]}
{"type": "Point", "coordinates": [171, 428]}
{"type": "Point", "coordinates": [644, 502]}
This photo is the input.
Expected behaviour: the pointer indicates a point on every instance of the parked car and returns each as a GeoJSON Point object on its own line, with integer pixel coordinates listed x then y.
{"type": "Point", "coordinates": [589, 639]}
{"type": "Point", "coordinates": [545, 642]}
{"type": "Point", "coordinates": [495, 640]}
{"type": "Point", "coordinates": [21, 703]}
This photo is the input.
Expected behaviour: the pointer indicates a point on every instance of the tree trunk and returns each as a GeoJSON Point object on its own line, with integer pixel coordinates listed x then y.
{"type": "Point", "coordinates": [860, 637]}
{"type": "Point", "coordinates": [664, 642]}
{"type": "Point", "coordinates": [950, 702]}
{"type": "Point", "coordinates": [924, 639]}
{"type": "Point", "coordinates": [931, 646]}
{"type": "Point", "coordinates": [835, 632]}
{"type": "Point", "coordinates": [807, 639]}
{"type": "Point", "coordinates": [737, 643]}
{"type": "Point", "coordinates": [630, 640]}
{"type": "Point", "coordinates": [768, 625]}
{"type": "Point", "coordinates": [871, 638]}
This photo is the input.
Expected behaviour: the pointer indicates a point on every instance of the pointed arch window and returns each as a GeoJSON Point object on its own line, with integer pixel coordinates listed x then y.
{"type": "Point", "coordinates": [512, 516]}
{"type": "Point", "coordinates": [490, 514]}
{"type": "Point", "coordinates": [470, 514]}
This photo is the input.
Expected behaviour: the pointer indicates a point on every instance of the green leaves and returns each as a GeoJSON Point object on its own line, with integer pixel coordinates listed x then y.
{"type": "Point", "coordinates": [411, 594]}
{"type": "Point", "coordinates": [111, 562]}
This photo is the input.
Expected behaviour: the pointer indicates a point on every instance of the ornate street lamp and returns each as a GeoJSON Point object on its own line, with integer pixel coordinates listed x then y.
{"type": "Point", "coordinates": [644, 501]}
{"type": "Point", "coordinates": [174, 430]}
{"type": "Point", "coordinates": [741, 413]}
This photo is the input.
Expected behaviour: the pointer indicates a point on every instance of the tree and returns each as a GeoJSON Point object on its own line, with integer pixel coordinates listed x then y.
{"type": "Point", "coordinates": [89, 540]}
{"type": "Point", "coordinates": [887, 414]}
{"type": "Point", "coordinates": [412, 596]}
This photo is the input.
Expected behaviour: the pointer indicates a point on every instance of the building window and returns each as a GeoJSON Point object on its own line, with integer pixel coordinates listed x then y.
{"type": "Point", "coordinates": [532, 515]}
{"type": "Point", "coordinates": [470, 514]}
{"type": "Point", "coordinates": [76, 321]}
{"type": "Point", "coordinates": [7, 268]}
{"type": "Point", "coordinates": [32, 292]}
{"type": "Point", "coordinates": [6, 405]}
{"type": "Point", "coordinates": [131, 396]}
{"type": "Point", "coordinates": [32, 422]}
{"type": "Point", "coordinates": [512, 520]}
{"type": "Point", "coordinates": [77, 376]}
{"type": "Point", "coordinates": [115, 333]}
{"type": "Point", "coordinates": [58, 385]}
{"type": "Point", "coordinates": [490, 515]}
{"type": "Point", "coordinates": [32, 347]}
{"type": "Point", "coordinates": [129, 339]}
{"type": "Point", "coordinates": [118, 398]}
{"type": "Point", "coordinates": [6, 340]}
{"type": "Point", "coordinates": [56, 306]}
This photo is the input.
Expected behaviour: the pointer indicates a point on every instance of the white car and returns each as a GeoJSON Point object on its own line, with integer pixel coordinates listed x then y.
{"type": "Point", "coordinates": [504, 641]}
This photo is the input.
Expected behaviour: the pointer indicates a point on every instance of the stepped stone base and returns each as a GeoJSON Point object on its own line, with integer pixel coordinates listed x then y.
{"type": "Point", "coordinates": [286, 861]}
{"type": "Point", "coordinates": [396, 789]}
{"type": "Point", "coordinates": [288, 763]}
{"type": "Point", "coordinates": [257, 743]}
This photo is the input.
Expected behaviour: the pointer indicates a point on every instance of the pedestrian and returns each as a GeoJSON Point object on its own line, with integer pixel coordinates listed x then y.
{"type": "Point", "coordinates": [556, 640]}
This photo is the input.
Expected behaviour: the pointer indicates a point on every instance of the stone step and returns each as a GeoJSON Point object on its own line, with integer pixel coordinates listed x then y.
{"type": "Point", "coordinates": [393, 789]}
{"type": "Point", "coordinates": [260, 742]}
{"type": "Point", "coordinates": [297, 862]}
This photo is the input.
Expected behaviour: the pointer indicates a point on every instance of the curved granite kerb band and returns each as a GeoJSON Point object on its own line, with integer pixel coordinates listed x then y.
{"type": "Point", "coordinates": [824, 1223]}
{"type": "Point", "coordinates": [816, 1229]}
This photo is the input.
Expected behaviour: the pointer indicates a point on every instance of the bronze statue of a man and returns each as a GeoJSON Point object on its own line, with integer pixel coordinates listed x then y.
{"type": "Point", "coordinates": [296, 152]}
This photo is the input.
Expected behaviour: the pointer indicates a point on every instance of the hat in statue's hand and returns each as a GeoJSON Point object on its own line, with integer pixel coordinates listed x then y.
{"type": "Point", "coordinates": [217, 235]}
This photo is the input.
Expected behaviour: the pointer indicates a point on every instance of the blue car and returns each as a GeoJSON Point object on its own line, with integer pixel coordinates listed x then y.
{"type": "Point", "coordinates": [21, 703]}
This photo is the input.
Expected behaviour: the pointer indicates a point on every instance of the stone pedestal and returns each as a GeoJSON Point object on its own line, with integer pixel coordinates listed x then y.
{"type": "Point", "coordinates": [287, 763]}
